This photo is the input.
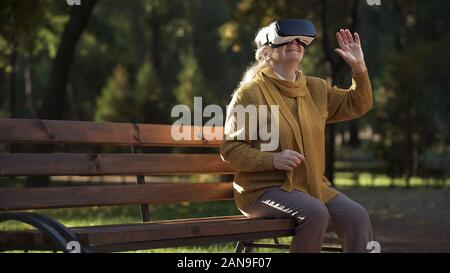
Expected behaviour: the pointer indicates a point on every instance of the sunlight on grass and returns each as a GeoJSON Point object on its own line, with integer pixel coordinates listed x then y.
{"type": "Point", "coordinates": [380, 180]}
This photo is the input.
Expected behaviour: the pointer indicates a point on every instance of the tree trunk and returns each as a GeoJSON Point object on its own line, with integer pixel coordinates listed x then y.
{"type": "Point", "coordinates": [54, 101]}
{"type": "Point", "coordinates": [354, 137]}
{"type": "Point", "coordinates": [76, 111]}
{"type": "Point", "coordinates": [12, 96]}
{"type": "Point", "coordinates": [53, 106]}
{"type": "Point", "coordinates": [336, 68]}
{"type": "Point", "coordinates": [155, 25]}
{"type": "Point", "coordinates": [28, 80]}
{"type": "Point", "coordinates": [139, 41]}
{"type": "Point", "coordinates": [13, 148]}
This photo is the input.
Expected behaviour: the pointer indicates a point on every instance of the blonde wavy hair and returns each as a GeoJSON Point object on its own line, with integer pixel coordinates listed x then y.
{"type": "Point", "coordinates": [254, 68]}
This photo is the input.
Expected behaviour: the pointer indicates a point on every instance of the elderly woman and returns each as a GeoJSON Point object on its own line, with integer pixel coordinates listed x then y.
{"type": "Point", "coordinates": [290, 181]}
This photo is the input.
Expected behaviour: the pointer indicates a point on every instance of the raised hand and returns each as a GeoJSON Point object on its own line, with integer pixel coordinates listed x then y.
{"type": "Point", "coordinates": [350, 50]}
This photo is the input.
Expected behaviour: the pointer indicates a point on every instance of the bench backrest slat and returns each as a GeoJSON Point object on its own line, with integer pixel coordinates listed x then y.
{"type": "Point", "coordinates": [105, 133]}
{"type": "Point", "coordinates": [24, 164]}
{"type": "Point", "coordinates": [85, 196]}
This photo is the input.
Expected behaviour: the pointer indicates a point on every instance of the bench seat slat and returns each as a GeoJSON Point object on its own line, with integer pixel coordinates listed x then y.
{"type": "Point", "coordinates": [84, 196]}
{"type": "Point", "coordinates": [24, 164]}
{"type": "Point", "coordinates": [158, 231]}
{"type": "Point", "coordinates": [145, 233]}
{"type": "Point", "coordinates": [201, 241]}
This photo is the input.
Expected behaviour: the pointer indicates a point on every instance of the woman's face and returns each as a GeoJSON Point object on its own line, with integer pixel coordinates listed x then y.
{"type": "Point", "coordinates": [288, 54]}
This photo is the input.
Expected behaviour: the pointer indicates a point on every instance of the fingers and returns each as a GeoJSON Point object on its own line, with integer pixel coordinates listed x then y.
{"type": "Point", "coordinates": [349, 36]}
{"type": "Point", "coordinates": [288, 160]}
{"type": "Point", "coordinates": [292, 159]}
{"type": "Point", "coordinates": [296, 154]}
{"type": "Point", "coordinates": [344, 36]}
{"type": "Point", "coordinates": [291, 163]}
{"type": "Point", "coordinates": [288, 165]}
{"type": "Point", "coordinates": [357, 39]}
{"type": "Point", "coordinates": [340, 52]}
{"type": "Point", "coordinates": [339, 39]}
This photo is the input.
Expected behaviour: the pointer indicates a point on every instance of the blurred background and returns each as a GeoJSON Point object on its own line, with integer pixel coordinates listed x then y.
{"type": "Point", "coordinates": [133, 60]}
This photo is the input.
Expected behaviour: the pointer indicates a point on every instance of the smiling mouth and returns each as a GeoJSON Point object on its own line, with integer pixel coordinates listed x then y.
{"type": "Point", "coordinates": [296, 49]}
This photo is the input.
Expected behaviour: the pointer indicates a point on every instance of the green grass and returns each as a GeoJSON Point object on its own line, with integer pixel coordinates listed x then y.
{"type": "Point", "coordinates": [365, 179]}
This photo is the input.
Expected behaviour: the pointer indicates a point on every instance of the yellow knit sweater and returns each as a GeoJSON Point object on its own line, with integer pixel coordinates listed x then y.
{"type": "Point", "coordinates": [305, 106]}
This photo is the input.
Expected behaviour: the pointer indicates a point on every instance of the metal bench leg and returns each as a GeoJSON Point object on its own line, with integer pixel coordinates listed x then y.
{"type": "Point", "coordinates": [275, 240]}
{"type": "Point", "coordinates": [62, 230]}
{"type": "Point", "coordinates": [240, 246]}
{"type": "Point", "coordinates": [145, 210]}
{"type": "Point", "coordinates": [244, 247]}
{"type": "Point", "coordinates": [248, 249]}
{"type": "Point", "coordinates": [57, 232]}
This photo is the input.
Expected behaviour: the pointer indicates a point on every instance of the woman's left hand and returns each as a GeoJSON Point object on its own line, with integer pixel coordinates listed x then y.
{"type": "Point", "coordinates": [350, 50]}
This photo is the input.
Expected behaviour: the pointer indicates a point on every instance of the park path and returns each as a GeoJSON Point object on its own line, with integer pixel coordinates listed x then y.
{"type": "Point", "coordinates": [407, 220]}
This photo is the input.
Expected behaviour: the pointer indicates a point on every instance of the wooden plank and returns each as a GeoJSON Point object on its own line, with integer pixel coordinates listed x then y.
{"type": "Point", "coordinates": [32, 240]}
{"type": "Point", "coordinates": [111, 164]}
{"type": "Point", "coordinates": [164, 233]}
{"type": "Point", "coordinates": [86, 132]}
{"type": "Point", "coordinates": [25, 241]}
{"type": "Point", "coordinates": [202, 241]}
{"type": "Point", "coordinates": [83, 196]}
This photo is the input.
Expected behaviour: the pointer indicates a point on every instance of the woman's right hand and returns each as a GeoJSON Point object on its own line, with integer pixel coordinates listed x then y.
{"type": "Point", "coordinates": [287, 160]}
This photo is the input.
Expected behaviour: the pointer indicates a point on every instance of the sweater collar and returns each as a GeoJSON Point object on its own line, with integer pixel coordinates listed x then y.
{"type": "Point", "coordinates": [288, 88]}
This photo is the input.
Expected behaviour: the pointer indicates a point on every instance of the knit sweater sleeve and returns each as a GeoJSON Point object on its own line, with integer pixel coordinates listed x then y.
{"type": "Point", "coordinates": [238, 147]}
{"type": "Point", "coordinates": [346, 104]}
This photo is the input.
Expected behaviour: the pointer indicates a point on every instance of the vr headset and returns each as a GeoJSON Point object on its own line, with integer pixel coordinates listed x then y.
{"type": "Point", "coordinates": [284, 31]}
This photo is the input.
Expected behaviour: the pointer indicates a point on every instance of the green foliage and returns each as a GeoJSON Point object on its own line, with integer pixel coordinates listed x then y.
{"type": "Point", "coordinates": [148, 95]}
{"type": "Point", "coordinates": [411, 108]}
{"type": "Point", "coordinates": [114, 97]}
{"type": "Point", "coordinates": [191, 82]}
{"type": "Point", "coordinates": [29, 27]}
{"type": "Point", "coordinates": [143, 98]}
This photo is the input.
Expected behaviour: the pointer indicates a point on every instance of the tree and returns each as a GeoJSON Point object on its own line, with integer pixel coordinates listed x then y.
{"type": "Point", "coordinates": [121, 101]}
{"type": "Point", "coordinates": [412, 107]}
{"type": "Point", "coordinates": [53, 106]}
{"type": "Point", "coordinates": [114, 96]}
{"type": "Point", "coordinates": [54, 101]}
{"type": "Point", "coordinates": [190, 81]}
{"type": "Point", "coordinates": [336, 66]}
{"type": "Point", "coordinates": [24, 33]}
{"type": "Point", "coordinates": [148, 95]}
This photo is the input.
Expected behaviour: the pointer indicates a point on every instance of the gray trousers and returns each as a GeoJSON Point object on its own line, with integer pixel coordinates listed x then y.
{"type": "Point", "coordinates": [348, 219]}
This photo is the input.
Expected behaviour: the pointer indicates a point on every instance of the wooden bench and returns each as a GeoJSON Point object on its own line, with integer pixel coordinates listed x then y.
{"type": "Point", "coordinates": [51, 235]}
